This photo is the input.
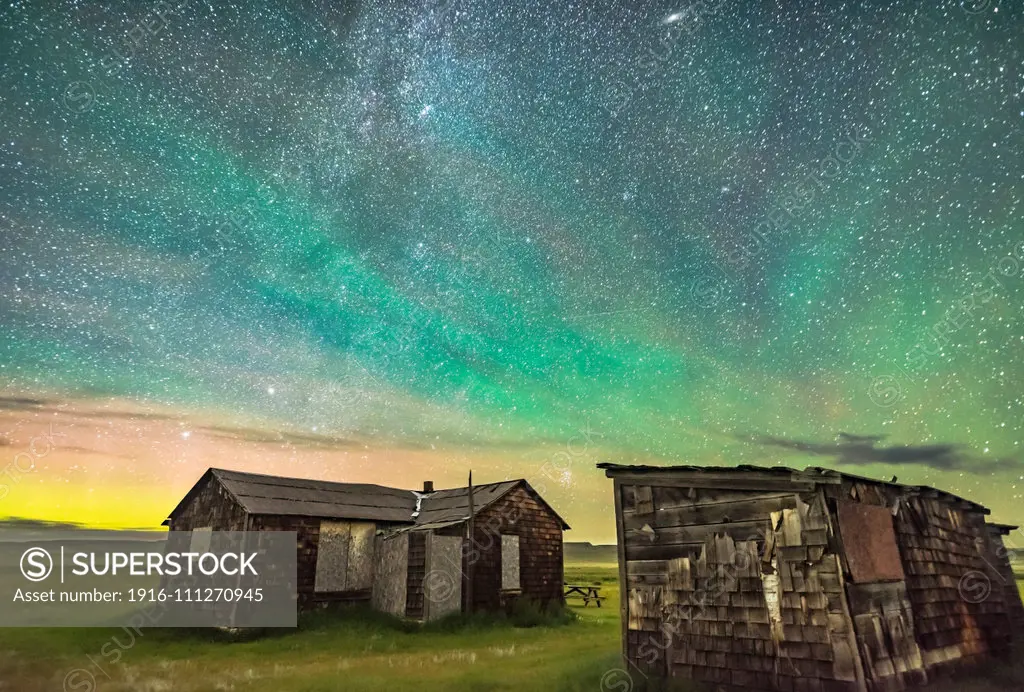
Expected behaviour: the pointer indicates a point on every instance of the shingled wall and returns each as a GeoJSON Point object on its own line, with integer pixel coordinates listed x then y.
{"type": "Point", "coordinates": [209, 505]}
{"type": "Point", "coordinates": [735, 588]}
{"type": "Point", "coordinates": [518, 513]}
{"type": "Point", "coordinates": [417, 571]}
{"type": "Point", "coordinates": [959, 610]}
{"type": "Point", "coordinates": [857, 584]}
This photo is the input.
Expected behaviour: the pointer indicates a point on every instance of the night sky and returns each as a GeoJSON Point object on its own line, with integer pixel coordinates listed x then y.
{"type": "Point", "coordinates": [389, 242]}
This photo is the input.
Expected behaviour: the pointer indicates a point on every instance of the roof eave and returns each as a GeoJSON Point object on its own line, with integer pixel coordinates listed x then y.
{"type": "Point", "coordinates": [751, 474]}
{"type": "Point", "coordinates": [540, 498]}
{"type": "Point", "coordinates": [187, 497]}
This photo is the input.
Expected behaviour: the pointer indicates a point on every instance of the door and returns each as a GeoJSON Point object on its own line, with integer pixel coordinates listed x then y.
{"type": "Point", "coordinates": [877, 593]}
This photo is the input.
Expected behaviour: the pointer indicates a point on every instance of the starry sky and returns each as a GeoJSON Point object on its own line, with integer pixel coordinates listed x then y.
{"type": "Point", "coordinates": [393, 241]}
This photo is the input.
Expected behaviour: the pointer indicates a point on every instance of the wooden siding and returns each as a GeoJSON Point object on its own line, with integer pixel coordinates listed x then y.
{"type": "Point", "coordinates": [884, 622]}
{"type": "Point", "coordinates": [518, 513]}
{"type": "Point", "coordinates": [738, 589]}
{"type": "Point", "coordinates": [955, 623]}
{"type": "Point", "coordinates": [443, 582]}
{"type": "Point", "coordinates": [210, 505]}
{"type": "Point", "coordinates": [749, 585]}
{"type": "Point", "coordinates": [417, 570]}
{"type": "Point", "coordinates": [959, 618]}
{"type": "Point", "coordinates": [307, 531]}
{"type": "Point", "coordinates": [540, 550]}
{"type": "Point", "coordinates": [679, 524]}
{"type": "Point", "coordinates": [391, 574]}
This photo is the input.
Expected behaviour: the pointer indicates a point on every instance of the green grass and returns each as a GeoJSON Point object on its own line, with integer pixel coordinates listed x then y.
{"type": "Point", "coordinates": [357, 650]}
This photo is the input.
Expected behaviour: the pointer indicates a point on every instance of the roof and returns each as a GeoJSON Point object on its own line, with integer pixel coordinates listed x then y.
{"type": "Point", "coordinates": [263, 494]}
{"type": "Point", "coordinates": [278, 495]}
{"type": "Point", "coordinates": [757, 474]}
{"type": "Point", "coordinates": [449, 505]}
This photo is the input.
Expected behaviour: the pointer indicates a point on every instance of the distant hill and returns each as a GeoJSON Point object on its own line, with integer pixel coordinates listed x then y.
{"type": "Point", "coordinates": [588, 552]}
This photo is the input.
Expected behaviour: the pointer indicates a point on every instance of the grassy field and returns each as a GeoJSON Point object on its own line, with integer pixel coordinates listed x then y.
{"type": "Point", "coordinates": [363, 652]}
{"type": "Point", "coordinates": [357, 652]}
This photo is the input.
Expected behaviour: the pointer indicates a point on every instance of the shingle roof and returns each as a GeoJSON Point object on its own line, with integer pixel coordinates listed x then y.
{"type": "Point", "coordinates": [278, 495]}
{"type": "Point", "coordinates": [450, 505]}
{"type": "Point", "coordinates": [812, 474]}
{"type": "Point", "coordinates": [262, 494]}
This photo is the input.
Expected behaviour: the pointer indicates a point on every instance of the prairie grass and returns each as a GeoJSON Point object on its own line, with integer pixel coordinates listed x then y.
{"type": "Point", "coordinates": [359, 649]}
{"type": "Point", "coordinates": [567, 650]}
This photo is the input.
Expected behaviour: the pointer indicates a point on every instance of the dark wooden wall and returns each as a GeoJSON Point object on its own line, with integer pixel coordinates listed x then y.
{"type": "Point", "coordinates": [307, 531]}
{"type": "Point", "coordinates": [518, 513]}
{"type": "Point", "coordinates": [942, 597]}
{"type": "Point", "coordinates": [417, 572]}
{"type": "Point", "coordinates": [944, 550]}
{"type": "Point", "coordinates": [697, 603]}
{"type": "Point", "coordinates": [540, 550]}
{"type": "Point", "coordinates": [959, 617]}
{"type": "Point", "coordinates": [211, 505]}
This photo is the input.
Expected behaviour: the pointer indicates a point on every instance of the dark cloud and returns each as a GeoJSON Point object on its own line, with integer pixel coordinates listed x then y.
{"type": "Point", "coordinates": [61, 406]}
{"type": "Point", "coordinates": [276, 437]}
{"type": "Point", "coordinates": [14, 403]}
{"type": "Point", "coordinates": [22, 528]}
{"type": "Point", "coordinates": [852, 450]}
{"type": "Point", "coordinates": [23, 523]}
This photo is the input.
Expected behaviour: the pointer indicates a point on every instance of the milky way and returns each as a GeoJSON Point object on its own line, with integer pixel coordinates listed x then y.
{"type": "Point", "coordinates": [490, 226]}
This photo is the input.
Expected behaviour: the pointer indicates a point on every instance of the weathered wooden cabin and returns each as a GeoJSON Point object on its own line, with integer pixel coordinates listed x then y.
{"type": "Point", "coordinates": [778, 579]}
{"type": "Point", "coordinates": [416, 554]}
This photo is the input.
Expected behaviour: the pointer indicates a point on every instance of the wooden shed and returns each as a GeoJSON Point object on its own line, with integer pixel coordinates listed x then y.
{"type": "Point", "coordinates": [410, 553]}
{"type": "Point", "coordinates": [778, 579]}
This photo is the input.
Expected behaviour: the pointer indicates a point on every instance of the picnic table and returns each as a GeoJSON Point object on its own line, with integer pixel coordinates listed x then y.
{"type": "Point", "coordinates": [587, 592]}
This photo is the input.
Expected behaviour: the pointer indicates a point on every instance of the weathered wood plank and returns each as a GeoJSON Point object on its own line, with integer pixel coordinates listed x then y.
{"type": "Point", "coordinates": [390, 585]}
{"type": "Point", "coordinates": [332, 556]}
{"type": "Point", "coordinates": [360, 556]}
{"type": "Point", "coordinates": [720, 511]}
{"type": "Point", "coordinates": [679, 576]}
{"type": "Point", "coordinates": [646, 567]}
{"type": "Point", "coordinates": [728, 481]}
{"type": "Point", "coordinates": [442, 586]}
{"type": "Point", "coordinates": [754, 529]}
{"type": "Point", "coordinates": [644, 500]}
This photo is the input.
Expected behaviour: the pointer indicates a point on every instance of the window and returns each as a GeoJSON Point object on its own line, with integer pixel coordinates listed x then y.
{"type": "Point", "coordinates": [509, 563]}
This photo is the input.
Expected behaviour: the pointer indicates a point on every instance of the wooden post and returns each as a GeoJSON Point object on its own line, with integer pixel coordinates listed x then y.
{"type": "Point", "coordinates": [470, 558]}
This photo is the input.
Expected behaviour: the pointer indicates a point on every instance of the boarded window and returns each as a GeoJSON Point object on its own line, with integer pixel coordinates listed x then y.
{"type": "Point", "coordinates": [442, 583]}
{"type": "Point", "coordinates": [391, 574]}
{"type": "Point", "coordinates": [509, 562]}
{"type": "Point", "coordinates": [870, 543]}
{"type": "Point", "coordinates": [200, 540]}
{"type": "Point", "coordinates": [360, 556]}
{"type": "Point", "coordinates": [344, 558]}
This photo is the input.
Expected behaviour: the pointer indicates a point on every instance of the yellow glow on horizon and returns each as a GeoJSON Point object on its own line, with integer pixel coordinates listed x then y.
{"type": "Point", "coordinates": [112, 466]}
